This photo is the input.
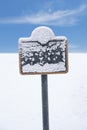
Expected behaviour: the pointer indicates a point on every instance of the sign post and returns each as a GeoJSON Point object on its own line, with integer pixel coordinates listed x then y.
{"type": "Point", "coordinates": [45, 110]}
{"type": "Point", "coordinates": [43, 53]}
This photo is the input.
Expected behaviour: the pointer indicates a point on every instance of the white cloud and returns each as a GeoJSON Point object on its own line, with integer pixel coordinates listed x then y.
{"type": "Point", "coordinates": [59, 17]}
{"type": "Point", "coordinates": [72, 46]}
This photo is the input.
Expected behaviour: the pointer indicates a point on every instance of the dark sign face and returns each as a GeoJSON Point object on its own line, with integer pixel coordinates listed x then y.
{"type": "Point", "coordinates": [38, 58]}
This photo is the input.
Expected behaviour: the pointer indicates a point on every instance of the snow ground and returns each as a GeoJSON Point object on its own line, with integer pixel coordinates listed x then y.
{"type": "Point", "coordinates": [20, 96]}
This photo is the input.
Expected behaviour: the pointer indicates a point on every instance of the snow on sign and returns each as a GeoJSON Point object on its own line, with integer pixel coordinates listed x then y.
{"type": "Point", "coordinates": [43, 52]}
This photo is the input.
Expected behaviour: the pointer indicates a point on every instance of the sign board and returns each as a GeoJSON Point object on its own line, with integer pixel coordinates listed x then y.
{"type": "Point", "coordinates": [43, 52]}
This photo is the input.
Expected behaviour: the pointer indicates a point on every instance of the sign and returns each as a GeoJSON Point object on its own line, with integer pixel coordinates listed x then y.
{"type": "Point", "coordinates": [43, 52]}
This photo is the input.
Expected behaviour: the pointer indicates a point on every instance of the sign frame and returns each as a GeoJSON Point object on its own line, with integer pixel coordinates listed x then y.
{"type": "Point", "coordinates": [23, 41]}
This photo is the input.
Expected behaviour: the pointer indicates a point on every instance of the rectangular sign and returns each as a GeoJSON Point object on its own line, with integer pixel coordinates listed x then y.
{"type": "Point", "coordinates": [48, 58]}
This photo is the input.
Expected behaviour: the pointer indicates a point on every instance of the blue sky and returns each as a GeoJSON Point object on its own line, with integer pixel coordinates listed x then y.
{"type": "Point", "coordinates": [65, 17]}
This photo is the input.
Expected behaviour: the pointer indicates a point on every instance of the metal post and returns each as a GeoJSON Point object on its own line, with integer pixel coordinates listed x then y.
{"type": "Point", "coordinates": [45, 102]}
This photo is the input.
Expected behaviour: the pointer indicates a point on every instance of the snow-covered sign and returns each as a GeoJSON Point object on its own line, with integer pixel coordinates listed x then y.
{"type": "Point", "coordinates": [43, 52]}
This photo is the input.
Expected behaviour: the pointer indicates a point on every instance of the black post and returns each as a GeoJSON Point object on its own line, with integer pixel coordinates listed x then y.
{"type": "Point", "coordinates": [45, 102]}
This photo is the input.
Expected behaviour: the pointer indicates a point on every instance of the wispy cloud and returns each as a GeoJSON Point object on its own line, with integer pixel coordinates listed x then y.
{"type": "Point", "coordinates": [72, 46]}
{"type": "Point", "coordinates": [56, 18]}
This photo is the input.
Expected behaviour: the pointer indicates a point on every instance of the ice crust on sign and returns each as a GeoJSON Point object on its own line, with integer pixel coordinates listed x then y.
{"type": "Point", "coordinates": [46, 68]}
{"type": "Point", "coordinates": [43, 51]}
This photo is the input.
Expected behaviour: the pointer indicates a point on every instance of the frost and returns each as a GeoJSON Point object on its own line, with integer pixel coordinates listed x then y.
{"type": "Point", "coordinates": [38, 68]}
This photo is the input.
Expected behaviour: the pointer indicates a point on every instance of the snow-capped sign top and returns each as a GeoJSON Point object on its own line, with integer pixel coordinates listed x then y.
{"type": "Point", "coordinates": [43, 52]}
{"type": "Point", "coordinates": [42, 35]}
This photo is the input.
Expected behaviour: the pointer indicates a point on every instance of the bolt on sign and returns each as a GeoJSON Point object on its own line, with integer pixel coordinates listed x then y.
{"type": "Point", "coordinates": [43, 52]}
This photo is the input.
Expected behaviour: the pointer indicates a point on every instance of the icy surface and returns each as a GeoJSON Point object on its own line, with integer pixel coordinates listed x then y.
{"type": "Point", "coordinates": [20, 96]}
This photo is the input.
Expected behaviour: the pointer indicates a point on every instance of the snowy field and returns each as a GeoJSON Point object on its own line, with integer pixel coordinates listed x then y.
{"type": "Point", "coordinates": [20, 96]}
